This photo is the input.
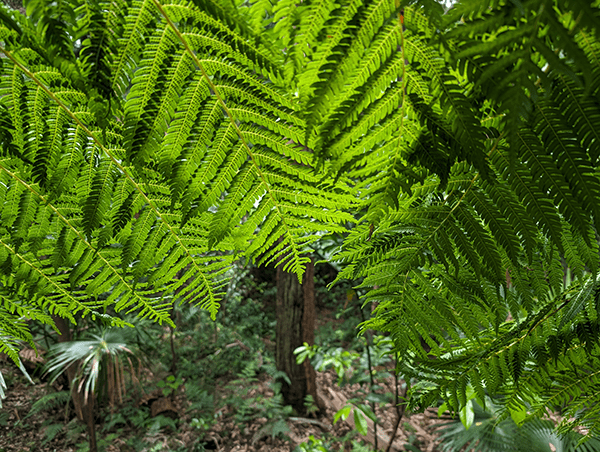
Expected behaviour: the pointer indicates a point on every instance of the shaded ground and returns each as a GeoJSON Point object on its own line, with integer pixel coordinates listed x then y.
{"type": "Point", "coordinates": [238, 415]}
{"type": "Point", "coordinates": [20, 433]}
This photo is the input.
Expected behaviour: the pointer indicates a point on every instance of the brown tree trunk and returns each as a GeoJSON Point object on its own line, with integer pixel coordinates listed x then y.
{"type": "Point", "coordinates": [91, 423]}
{"type": "Point", "coordinates": [296, 325]}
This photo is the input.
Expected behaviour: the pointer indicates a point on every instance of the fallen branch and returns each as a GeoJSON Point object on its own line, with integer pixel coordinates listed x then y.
{"type": "Point", "coordinates": [304, 420]}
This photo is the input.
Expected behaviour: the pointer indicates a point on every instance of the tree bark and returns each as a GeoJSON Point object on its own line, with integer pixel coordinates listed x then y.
{"type": "Point", "coordinates": [296, 325]}
{"type": "Point", "coordinates": [90, 422]}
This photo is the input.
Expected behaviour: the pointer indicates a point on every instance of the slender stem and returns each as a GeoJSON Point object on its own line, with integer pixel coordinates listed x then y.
{"type": "Point", "coordinates": [400, 408]}
{"type": "Point", "coordinates": [372, 381]}
{"type": "Point", "coordinates": [91, 423]}
{"type": "Point", "coordinates": [173, 352]}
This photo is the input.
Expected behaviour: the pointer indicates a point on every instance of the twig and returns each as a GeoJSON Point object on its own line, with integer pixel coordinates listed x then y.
{"type": "Point", "coordinates": [400, 409]}
{"type": "Point", "coordinates": [238, 343]}
{"type": "Point", "coordinates": [304, 420]}
{"type": "Point", "coordinates": [373, 407]}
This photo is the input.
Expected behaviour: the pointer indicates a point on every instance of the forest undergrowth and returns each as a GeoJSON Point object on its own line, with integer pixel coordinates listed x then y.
{"type": "Point", "coordinates": [209, 386]}
{"type": "Point", "coordinates": [213, 385]}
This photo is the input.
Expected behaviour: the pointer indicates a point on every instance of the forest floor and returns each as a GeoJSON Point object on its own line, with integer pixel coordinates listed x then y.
{"type": "Point", "coordinates": [19, 433]}
{"type": "Point", "coordinates": [240, 415]}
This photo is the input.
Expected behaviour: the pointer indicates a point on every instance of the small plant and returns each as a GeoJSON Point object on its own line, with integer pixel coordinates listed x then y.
{"type": "Point", "coordinates": [201, 424]}
{"type": "Point", "coordinates": [3, 418]}
{"type": "Point", "coordinates": [202, 407]}
{"type": "Point", "coordinates": [353, 367]}
{"type": "Point", "coordinates": [169, 385]}
{"type": "Point", "coordinates": [310, 406]}
{"type": "Point", "coordinates": [350, 366]}
{"type": "Point", "coordinates": [275, 426]}
{"type": "Point", "coordinates": [313, 445]}
{"type": "Point", "coordinates": [49, 402]}
{"type": "Point", "coordinates": [250, 403]}
{"type": "Point", "coordinates": [326, 445]}
{"type": "Point", "coordinates": [51, 431]}
{"type": "Point", "coordinates": [74, 431]}
{"type": "Point", "coordinates": [100, 363]}
{"type": "Point", "coordinates": [158, 423]}
{"type": "Point", "coordinates": [360, 414]}
{"type": "Point", "coordinates": [98, 360]}
{"type": "Point", "coordinates": [321, 358]}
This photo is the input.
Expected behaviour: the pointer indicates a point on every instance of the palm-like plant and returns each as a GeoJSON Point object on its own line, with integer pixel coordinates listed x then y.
{"type": "Point", "coordinates": [100, 363]}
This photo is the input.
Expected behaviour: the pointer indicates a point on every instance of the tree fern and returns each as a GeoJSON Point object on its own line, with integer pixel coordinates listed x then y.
{"type": "Point", "coordinates": [472, 277]}
{"type": "Point", "coordinates": [145, 145]}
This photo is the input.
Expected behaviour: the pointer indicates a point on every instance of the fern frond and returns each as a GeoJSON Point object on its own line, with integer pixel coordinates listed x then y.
{"type": "Point", "coordinates": [580, 112]}
{"type": "Point", "coordinates": [524, 183]}
{"type": "Point", "coordinates": [242, 151]}
{"type": "Point", "coordinates": [13, 329]}
{"type": "Point", "coordinates": [571, 160]}
{"type": "Point", "coordinates": [49, 401]}
{"type": "Point", "coordinates": [501, 230]}
{"type": "Point", "coordinates": [144, 145]}
{"type": "Point", "coordinates": [490, 237]}
{"type": "Point", "coordinates": [141, 151]}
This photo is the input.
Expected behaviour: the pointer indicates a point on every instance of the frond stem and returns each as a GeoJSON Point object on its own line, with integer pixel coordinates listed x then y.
{"type": "Point", "coordinates": [404, 84]}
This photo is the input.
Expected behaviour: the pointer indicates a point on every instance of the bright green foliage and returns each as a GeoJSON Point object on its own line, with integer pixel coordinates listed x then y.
{"type": "Point", "coordinates": [145, 144]}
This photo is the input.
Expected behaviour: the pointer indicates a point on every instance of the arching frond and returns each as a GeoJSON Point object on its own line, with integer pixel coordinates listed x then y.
{"type": "Point", "coordinates": [483, 267]}
{"type": "Point", "coordinates": [143, 145]}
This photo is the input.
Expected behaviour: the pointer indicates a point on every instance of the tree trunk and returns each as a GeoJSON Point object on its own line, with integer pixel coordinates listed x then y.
{"type": "Point", "coordinates": [296, 325]}
{"type": "Point", "coordinates": [91, 423]}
